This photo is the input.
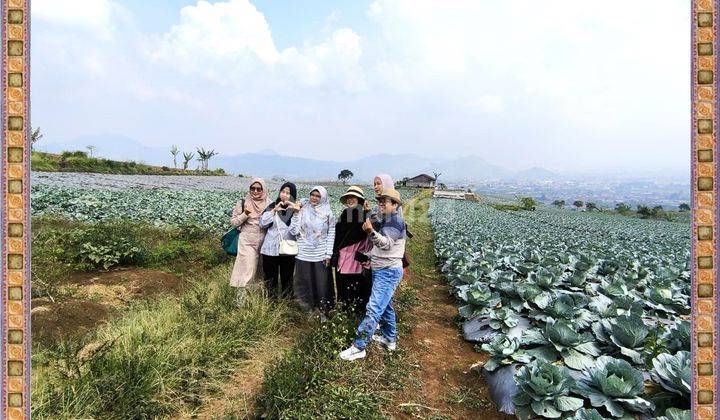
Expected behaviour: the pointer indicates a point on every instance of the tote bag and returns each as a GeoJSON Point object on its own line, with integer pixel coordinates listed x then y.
{"type": "Point", "coordinates": [229, 241]}
{"type": "Point", "coordinates": [287, 247]}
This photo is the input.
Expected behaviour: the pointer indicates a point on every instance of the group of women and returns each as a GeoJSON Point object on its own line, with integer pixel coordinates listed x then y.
{"type": "Point", "coordinates": [304, 250]}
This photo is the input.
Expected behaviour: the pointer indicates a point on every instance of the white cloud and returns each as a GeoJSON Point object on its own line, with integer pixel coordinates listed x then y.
{"type": "Point", "coordinates": [222, 30]}
{"type": "Point", "coordinates": [513, 80]}
{"type": "Point", "coordinates": [231, 42]}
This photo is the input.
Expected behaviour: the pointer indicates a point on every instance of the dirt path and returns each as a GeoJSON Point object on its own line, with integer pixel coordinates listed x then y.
{"type": "Point", "coordinates": [443, 385]}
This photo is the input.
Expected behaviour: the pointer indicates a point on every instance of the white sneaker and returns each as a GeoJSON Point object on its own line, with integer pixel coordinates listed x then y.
{"type": "Point", "coordinates": [390, 345]}
{"type": "Point", "coordinates": [352, 353]}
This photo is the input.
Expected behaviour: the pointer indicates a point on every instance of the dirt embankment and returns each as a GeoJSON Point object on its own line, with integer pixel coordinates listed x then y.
{"type": "Point", "coordinates": [90, 299]}
{"type": "Point", "coordinates": [443, 384]}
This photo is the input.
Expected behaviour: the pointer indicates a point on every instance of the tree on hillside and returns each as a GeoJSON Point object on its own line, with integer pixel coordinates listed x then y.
{"type": "Point", "coordinates": [559, 203]}
{"type": "Point", "coordinates": [591, 206]}
{"type": "Point", "coordinates": [622, 208]}
{"type": "Point", "coordinates": [91, 148]}
{"type": "Point", "coordinates": [528, 203]}
{"type": "Point", "coordinates": [684, 207]}
{"type": "Point", "coordinates": [345, 175]}
{"type": "Point", "coordinates": [442, 186]}
{"type": "Point", "coordinates": [35, 136]}
{"type": "Point", "coordinates": [187, 157]}
{"type": "Point", "coordinates": [578, 203]}
{"type": "Point", "coordinates": [174, 152]}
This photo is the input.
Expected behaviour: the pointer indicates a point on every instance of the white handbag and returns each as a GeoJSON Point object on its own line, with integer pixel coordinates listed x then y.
{"type": "Point", "coordinates": [287, 247]}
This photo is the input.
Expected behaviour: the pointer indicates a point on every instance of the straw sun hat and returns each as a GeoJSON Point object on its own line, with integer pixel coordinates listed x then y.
{"type": "Point", "coordinates": [392, 194]}
{"type": "Point", "coordinates": [353, 191]}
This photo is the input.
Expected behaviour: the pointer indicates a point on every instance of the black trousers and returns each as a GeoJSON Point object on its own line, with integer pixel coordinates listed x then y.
{"type": "Point", "coordinates": [279, 275]}
{"type": "Point", "coordinates": [354, 291]}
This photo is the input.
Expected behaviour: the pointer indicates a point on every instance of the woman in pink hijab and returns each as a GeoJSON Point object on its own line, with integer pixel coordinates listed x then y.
{"type": "Point", "coordinates": [381, 182]}
{"type": "Point", "coordinates": [246, 217]}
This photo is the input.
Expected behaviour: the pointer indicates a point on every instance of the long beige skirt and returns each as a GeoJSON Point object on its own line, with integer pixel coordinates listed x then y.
{"type": "Point", "coordinates": [246, 268]}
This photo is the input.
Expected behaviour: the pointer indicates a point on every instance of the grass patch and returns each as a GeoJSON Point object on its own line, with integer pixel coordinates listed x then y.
{"type": "Point", "coordinates": [61, 247]}
{"type": "Point", "coordinates": [311, 382]}
{"type": "Point", "coordinates": [467, 398]}
{"type": "Point", "coordinates": [160, 357]}
{"type": "Point", "coordinates": [79, 161]}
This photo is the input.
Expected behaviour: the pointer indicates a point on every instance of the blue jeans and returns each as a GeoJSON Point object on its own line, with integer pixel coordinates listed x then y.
{"type": "Point", "coordinates": [379, 308]}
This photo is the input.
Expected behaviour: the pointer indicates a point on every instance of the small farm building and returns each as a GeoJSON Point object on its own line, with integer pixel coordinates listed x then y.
{"type": "Point", "coordinates": [420, 181]}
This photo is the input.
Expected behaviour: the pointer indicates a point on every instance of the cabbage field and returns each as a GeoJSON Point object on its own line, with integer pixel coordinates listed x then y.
{"type": "Point", "coordinates": [584, 315]}
{"type": "Point", "coordinates": [205, 202]}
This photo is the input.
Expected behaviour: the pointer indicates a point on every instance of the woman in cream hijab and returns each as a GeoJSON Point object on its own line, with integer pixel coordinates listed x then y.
{"type": "Point", "coordinates": [246, 217]}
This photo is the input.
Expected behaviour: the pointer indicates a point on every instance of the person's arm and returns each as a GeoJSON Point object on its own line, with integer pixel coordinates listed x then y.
{"type": "Point", "coordinates": [330, 241]}
{"type": "Point", "coordinates": [267, 219]}
{"type": "Point", "coordinates": [336, 242]}
{"type": "Point", "coordinates": [295, 224]}
{"type": "Point", "coordinates": [238, 215]}
{"type": "Point", "coordinates": [386, 238]}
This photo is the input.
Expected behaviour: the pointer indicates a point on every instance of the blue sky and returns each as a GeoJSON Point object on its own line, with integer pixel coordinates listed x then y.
{"type": "Point", "coordinates": [597, 87]}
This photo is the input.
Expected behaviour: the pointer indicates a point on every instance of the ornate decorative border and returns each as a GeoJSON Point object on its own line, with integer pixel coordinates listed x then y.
{"type": "Point", "coordinates": [704, 206]}
{"type": "Point", "coordinates": [14, 211]}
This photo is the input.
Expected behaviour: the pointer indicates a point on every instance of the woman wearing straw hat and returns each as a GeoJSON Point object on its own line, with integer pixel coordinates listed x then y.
{"type": "Point", "coordinates": [387, 271]}
{"type": "Point", "coordinates": [350, 252]}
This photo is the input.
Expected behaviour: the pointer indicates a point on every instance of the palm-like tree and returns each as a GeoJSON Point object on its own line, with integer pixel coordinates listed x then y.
{"type": "Point", "coordinates": [91, 148]}
{"type": "Point", "coordinates": [187, 156]}
{"type": "Point", "coordinates": [174, 152]}
{"type": "Point", "coordinates": [34, 137]}
{"type": "Point", "coordinates": [202, 157]}
{"type": "Point", "coordinates": [210, 154]}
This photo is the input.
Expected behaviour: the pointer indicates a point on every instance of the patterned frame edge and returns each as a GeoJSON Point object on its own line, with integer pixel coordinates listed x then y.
{"type": "Point", "coordinates": [704, 339]}
{"type": "Point", "coordinates": [14, 211]}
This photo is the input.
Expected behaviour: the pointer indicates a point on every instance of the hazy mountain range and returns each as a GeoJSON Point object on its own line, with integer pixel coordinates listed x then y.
{"type": "Point", "coordinates": [467, 169]}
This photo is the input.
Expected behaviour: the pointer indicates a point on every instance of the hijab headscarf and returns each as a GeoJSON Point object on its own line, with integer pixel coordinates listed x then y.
{"type": "Point", "coordinates": [256, 206]}
{"type": "Point", "coordinates": [315, 218]}
{"type": "Point", "coordinates": [387, 181]}
{"type": "Point", "coordinates": [284, 215]}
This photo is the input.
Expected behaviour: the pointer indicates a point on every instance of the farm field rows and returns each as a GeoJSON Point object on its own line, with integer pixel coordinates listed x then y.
{"type": "Point", "coordinates": [583, 314]}
{"type": "Point", "coordinates": [203, 201]}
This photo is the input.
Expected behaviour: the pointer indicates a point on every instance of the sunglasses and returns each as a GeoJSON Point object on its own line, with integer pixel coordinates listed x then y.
{"type": "Point", "coordinates": [258, 189]}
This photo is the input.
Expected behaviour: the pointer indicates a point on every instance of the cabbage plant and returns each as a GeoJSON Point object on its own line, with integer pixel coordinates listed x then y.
{"type": "Point", "coordinates": [615, 385]}
{"type": "Point", "coordinates": [543, 390]}
{"type": "Point", "coordinates": [504, 351]}
{"type": "Point", "coordinates": [673, 373]}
